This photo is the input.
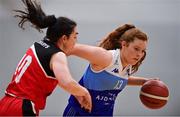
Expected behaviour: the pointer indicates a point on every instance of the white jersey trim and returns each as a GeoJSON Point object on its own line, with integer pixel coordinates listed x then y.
{"type": "Point", "coordinates": [112, 62]}
{"type": "Point", "coordinates": [33, 107]}
{"type": "Point", "coordinates": [32, 104]}
{"type": "Point", "coordinates": [116, 63]}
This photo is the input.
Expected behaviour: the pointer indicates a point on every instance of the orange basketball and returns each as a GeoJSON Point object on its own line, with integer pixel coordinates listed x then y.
{"type": "Point", "coordinates": [154, 94]}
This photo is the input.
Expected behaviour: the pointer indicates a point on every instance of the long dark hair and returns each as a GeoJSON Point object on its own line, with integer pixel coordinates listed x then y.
{"type": "Point", "coordinates": [128, 33]}
{"type": "Point", "coordinates": [56, 26]}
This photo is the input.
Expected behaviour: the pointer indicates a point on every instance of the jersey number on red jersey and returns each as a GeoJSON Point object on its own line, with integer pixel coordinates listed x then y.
{"type": "Point", "coordinates": [22, 66]}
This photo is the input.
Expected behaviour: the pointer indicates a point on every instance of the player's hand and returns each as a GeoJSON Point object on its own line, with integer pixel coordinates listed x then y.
{"type": "Point", "coordinates": [155, 78]}
{"type": "Point", "coordinates": [85, 101]}
{"type": "Point", "coordinates": [148, 79]}
{"type": "Point", "coordinates": [88, 102]}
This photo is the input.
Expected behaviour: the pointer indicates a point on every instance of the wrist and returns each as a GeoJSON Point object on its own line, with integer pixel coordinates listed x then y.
{"type": "Point", "coordinates": [85, 92]}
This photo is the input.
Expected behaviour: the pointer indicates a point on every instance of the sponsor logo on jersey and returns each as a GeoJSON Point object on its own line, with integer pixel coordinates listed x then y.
{"type": "Point", "coordinates": [115, 70]}
{"type": "Point", "coordinates": [43, 44]}
{"type": "Point", "coordinates": [105, 98]}
{"type": "Point", "coordinates": [116, 62]}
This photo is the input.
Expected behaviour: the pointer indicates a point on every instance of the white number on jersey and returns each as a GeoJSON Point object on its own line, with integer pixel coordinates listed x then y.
{"type": "Point", "coordinates": [119, 84]}
{"type": "Point", "coordinates": [22, 66]}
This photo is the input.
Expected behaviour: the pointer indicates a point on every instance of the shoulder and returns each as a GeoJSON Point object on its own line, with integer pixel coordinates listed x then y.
{"type": "Point", "coordinates": [114, 60]}
{"type": "Point", "coordinates": [59, 56]}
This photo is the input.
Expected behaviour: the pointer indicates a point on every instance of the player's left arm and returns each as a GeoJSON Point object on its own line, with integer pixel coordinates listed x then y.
{"type": "Point", "coordinates": [134, 80]}
{"type": "Point", "coordinates": [138, 81]}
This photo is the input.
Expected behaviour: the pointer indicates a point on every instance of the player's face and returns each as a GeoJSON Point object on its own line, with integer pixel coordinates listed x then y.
{"type": "Point", "coordinates": [133, 52]}
{"type": "Point", "coordinates": [72, 39]}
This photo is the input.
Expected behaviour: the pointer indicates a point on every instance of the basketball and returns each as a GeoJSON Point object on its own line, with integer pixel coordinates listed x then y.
{"type": "Point", "coordinates": [154, 94]}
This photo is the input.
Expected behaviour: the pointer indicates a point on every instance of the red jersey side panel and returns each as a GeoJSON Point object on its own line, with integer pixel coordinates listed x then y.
{"type": "Point", "coordinates": [30, 81]}
{"type": "Point", "coordinates": [10, 106]}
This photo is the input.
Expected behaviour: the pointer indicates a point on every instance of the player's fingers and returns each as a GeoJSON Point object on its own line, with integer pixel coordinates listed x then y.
{"type": "Point", "coordinates": [155, 78]}
{"type": "Point", "coordinates": [80, 100]}
{"type": "Point", "coordinates": [88, 103]}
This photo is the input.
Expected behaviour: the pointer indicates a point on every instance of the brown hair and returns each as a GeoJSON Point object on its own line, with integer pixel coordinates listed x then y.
{"type": "Point", "coordinates": [128, 33]}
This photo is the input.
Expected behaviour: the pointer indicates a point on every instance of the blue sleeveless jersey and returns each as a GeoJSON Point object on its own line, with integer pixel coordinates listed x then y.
{"type": "Point", "coordinates": [103, 86]}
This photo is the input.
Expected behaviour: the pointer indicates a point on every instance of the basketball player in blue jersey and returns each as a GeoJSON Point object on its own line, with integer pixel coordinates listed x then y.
{"type": "Point", "coordinates": [111, 66]}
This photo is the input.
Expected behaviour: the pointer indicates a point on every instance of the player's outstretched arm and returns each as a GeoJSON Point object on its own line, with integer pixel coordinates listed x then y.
{"type": "Point", "coordinates": [95, 55]}
{"type": "Point", "coordinates": [138, 81]}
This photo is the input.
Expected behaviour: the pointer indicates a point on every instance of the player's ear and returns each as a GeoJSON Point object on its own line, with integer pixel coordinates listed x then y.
{"type": "Point", "coordinates": [124, 43]}
{"type": "Point", "coordinates": [64, 38]}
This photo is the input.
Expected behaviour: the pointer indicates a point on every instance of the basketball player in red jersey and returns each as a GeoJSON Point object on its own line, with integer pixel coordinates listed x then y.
{"type": "Point", "coordinates": [44, 66]}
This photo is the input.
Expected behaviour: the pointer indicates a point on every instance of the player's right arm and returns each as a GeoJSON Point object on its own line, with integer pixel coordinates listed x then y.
{"type": "Point", "coordinates": [97, 56]}
{"type": "Point", "coordinates": [60, 67]}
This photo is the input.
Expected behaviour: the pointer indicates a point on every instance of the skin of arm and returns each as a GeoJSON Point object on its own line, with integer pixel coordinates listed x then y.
{"type": "Point", "coordinates": [59, 65]}
{"type": "Point", "coordinates": [137, 81]}
{"type": "Point", "coordinates": [98, 57]}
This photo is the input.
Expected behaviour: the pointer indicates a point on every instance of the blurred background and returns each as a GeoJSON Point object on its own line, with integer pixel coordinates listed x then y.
{"type": "Point", "coordinates": [160, 19]}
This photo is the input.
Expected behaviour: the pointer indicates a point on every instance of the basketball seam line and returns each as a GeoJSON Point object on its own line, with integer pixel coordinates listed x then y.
{"type": "Point", "coordinates": [154, 96]}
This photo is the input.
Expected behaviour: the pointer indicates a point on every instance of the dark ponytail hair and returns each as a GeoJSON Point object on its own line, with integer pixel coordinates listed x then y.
{"type": "Point", "coordinates": [128, 33]}
{"type": "Point", "coordinates": [56, 26]}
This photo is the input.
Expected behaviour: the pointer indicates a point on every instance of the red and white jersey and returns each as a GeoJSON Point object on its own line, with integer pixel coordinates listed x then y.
{"type": "Point", "coordinates": [33, 78]}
